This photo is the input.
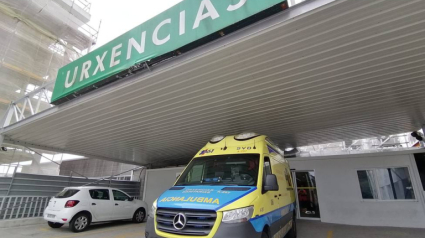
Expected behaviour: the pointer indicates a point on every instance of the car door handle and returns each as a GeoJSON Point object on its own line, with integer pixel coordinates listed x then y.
{"type": "Point", "coordinates": [275, 196]}
{"type": "Point", "coordinates": [116, 204]}
{"type": "Point", "coordinates": [94, 204]}
{"type": "Point", "coordinates": [280, 195]}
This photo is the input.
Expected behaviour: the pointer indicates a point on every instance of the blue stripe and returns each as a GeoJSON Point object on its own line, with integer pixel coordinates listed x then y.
{"type": "Point", "coordinates": [271, 150]}
{"type": "Point", "coordinates": [269, 218]}
{"type": "Point", "coordinates": [237, 198]}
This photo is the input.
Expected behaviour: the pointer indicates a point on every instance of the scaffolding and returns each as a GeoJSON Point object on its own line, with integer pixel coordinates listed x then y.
{"type": "Point", "coordinates": [37, 37]}
{"type": "Point", "coordinates": [397, 142]}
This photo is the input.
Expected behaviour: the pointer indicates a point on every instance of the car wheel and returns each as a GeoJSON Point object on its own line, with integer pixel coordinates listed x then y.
{"type": "Point", "coordinates": [80, 222]}
{"type": "Point", "coordinates": [55, 225]}
{"type": "Point", "coordinates": [293, 232]}
{"type": "Point", "coordinates": [139, 216]}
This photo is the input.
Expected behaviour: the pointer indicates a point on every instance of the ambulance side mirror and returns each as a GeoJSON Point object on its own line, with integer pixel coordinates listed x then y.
{"type": "Point", "coordinates": [271, 183]}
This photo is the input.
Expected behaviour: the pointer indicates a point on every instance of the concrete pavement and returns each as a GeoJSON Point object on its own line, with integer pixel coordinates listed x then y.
{"type": "Point", "coordinates": [306, 229]}
{"type": "Point", "coordinates": [315, 229]}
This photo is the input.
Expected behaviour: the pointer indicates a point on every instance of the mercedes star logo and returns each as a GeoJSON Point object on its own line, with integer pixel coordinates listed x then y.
{"type": "Point", "coordinates": [179, 221]}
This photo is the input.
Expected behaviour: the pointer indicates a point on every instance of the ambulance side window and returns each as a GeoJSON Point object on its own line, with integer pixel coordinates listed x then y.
{"type": "Point", "coordinates": [288, 177]}
{"type": "Point", "coordinates": [267, 167]}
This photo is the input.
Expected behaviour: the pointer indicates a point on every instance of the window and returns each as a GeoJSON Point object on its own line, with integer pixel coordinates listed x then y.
{"type": "Point", "coordinates": [99, 194]}
{"type": "Point", "coordinates": [67, 193]}
{"type": "Point", "coordinates": [267, 169]}
{"type": "Point", "coordinates": [236, 170]}
{"type": "Point", "coordinates": [195, 174]}
{"type": "Point", "coordinates": [120, 196]}
{"type": "Point", "coordinates": [267, 166]}
{"type": "Point", "coordinates": [386, 184]}
{"type": "Point", "coordinates": [288, 178]}
{"type": "Point", "coordinates": [395, 184]}
{"type": "Point", "coordinates": [367, 184]}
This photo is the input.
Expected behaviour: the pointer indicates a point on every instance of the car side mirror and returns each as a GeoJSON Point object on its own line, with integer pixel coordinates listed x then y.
{"type": "Point", "coordinates": [271, 183]}
{"type": "Point", "coordinates": [131, 199]}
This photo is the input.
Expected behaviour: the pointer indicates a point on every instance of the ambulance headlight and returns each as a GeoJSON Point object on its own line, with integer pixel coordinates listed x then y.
{"type": "Point", "coordinates": [153, 209]}
{"type": "Point", "coordinates": [238, 215]}
{"type": "Point", "coordinates": [216, 139]}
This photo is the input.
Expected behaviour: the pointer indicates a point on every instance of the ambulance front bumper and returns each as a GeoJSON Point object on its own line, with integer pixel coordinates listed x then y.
{"type": "Point", "coordinates": [225, 230]}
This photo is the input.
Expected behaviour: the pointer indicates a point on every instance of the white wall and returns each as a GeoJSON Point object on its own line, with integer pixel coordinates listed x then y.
{"type": "Point", "coordinates": [158, 181]}
{"type": "Point", "coordinates": [340, 198]}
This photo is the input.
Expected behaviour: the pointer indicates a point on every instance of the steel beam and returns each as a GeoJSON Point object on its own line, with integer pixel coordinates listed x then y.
{"type": "Point", "coordinates": [7, 118]}
{"type": "Point", "coordinates": [59, 150]}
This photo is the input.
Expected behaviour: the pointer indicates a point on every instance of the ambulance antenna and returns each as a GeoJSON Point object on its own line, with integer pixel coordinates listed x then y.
{"type": "Point", "coordinates": [254, 145]}
{"type": "Point", "coordinates": [225, 144]}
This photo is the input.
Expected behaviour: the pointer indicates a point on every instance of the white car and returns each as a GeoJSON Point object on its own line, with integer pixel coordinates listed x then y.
{"type": "Point", "coordinates": [81, 206]}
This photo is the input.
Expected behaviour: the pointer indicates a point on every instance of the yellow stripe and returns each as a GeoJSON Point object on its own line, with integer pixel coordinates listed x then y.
{"type": "Point", "coordinates": [330, 234]}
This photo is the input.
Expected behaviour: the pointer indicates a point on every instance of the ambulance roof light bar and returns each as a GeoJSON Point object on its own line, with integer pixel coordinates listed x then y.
{"type": "Point", "coordinates": [216, 139]}
{"type": "Point", "coordinates": [246, 136]}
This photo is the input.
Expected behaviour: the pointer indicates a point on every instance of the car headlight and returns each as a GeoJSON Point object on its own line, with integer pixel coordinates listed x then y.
{"type": "Point", "coordinates": [153, 209]}
{"type": "Point", "coordinates": [238, 215]}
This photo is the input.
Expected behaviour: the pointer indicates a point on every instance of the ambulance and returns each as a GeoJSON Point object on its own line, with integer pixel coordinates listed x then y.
{"type": "Point", "coordinates": [235, 187]}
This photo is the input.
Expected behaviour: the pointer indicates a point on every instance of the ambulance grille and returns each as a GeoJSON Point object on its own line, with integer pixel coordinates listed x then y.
{"type": "Point", "coordinates": [199, 222]}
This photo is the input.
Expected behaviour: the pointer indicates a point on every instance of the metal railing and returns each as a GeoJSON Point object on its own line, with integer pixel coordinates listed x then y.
{"type": "Point", "coordinates": [110, 178]}
{"type": "Point", "coordinates": [84, 4]}
{"type": "Point", "coordinates": [17, 207]}
{"type": "Point", "coordinates": [23, 107]}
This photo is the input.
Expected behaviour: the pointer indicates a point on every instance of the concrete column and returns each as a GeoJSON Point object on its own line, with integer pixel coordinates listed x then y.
{"type": "Point", "coordinates": [5, 121]}
{"type": "Point", "coordinates": [34, 168]}
{"type": "Point", "coordinates": [1, 140]}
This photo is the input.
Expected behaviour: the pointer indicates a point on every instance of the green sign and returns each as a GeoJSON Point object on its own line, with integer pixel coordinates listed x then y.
{"type": "Point", "coordinates": [178, 26]}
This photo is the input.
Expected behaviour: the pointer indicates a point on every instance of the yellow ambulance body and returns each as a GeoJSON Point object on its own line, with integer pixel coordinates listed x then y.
{"type": "Point", "coordinates": [236, 186]}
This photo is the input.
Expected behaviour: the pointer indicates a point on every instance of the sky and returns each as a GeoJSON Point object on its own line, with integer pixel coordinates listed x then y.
{"type": "Point", "coordinates": [120, 16]}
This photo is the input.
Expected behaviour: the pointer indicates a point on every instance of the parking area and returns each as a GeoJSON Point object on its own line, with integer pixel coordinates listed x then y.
{"type": "Point", "coordinates": [307, 229]}
{"type": "Point", "coordinates": [106, 230]}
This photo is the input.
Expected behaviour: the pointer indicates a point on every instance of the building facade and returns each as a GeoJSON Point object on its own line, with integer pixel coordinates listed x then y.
{"type": "Point", "coordinates": [378, 189]}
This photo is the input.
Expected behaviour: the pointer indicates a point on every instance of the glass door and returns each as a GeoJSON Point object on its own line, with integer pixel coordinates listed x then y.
{"type": "Point", "coordinates": [307, 200]}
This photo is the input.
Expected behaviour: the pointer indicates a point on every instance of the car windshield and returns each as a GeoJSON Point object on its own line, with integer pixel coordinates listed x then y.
{"type": "Point", "coordinates": [223, 170]}
{"type": "Point", "coordinates": [67, 193]}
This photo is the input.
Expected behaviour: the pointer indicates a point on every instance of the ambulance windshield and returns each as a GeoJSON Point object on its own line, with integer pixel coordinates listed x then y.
{"type": "Point", "coordinates": [222, 170]}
